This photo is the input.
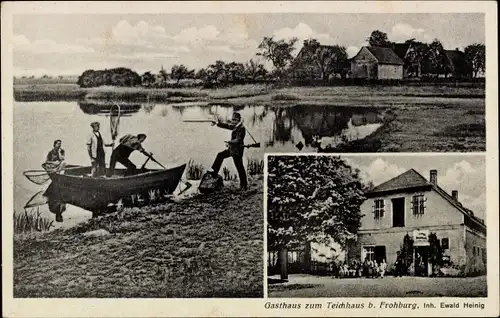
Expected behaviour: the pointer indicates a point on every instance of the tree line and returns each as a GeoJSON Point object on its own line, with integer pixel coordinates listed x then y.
{"type": "Point", "coordinates": [312, 63]}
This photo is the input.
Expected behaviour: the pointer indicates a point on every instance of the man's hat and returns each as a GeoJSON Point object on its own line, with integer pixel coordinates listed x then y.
{"type": "Point", "coordinates": [95, 123]}
{"type": "Point", "coordinates": [237, 115]}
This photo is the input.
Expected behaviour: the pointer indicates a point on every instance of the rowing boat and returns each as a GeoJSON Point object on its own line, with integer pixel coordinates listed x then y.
{"type": "Point", "coordinates": [77, 187]}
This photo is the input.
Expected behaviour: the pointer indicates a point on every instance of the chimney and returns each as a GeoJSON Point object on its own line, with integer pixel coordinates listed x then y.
{"type": "Point", "coordinates": [454, 194]}
{"type": "Point", "coordinates": [434, 177]}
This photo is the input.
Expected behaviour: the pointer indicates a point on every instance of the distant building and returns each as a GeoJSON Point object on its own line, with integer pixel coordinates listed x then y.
{"type": "Point", "coordinates": [409, 204]}
{"type": "Point", "coordinates": [376, 63]}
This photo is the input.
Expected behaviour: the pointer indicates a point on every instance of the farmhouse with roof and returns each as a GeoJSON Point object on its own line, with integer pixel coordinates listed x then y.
{"type": "Point", "coordinates": [376, 63]}
{"type": "Point", "coordinates": [409, 204]}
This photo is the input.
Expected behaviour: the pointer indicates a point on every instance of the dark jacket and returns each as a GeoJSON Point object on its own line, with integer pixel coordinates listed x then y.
{"type": "Point", "coordinates": [237, 137]}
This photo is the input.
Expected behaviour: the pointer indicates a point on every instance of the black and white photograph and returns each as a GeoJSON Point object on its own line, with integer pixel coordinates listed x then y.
{"type": "Point", "coordinates": [205, 157]}
{"type": "Point", "coordinates": [376, 226]}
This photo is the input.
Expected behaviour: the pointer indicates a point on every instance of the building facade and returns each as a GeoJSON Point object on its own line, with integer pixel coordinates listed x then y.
{"type": "Point", "coordinates": [377, 63]}
{"type": "Point", "coordinates": [409, 204]}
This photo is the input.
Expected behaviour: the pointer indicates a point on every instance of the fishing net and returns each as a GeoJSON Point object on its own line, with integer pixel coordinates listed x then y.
{"type": "Point", "coordinates": [37, 176]}
{"type": "Point", "coordinates": [37, 200]}
{"type": "Point", "coordinates": [114, 120]}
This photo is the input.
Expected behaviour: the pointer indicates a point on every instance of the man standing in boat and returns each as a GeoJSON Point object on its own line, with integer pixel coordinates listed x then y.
{"type": "Point", "coordinates": [121, 154]}
{"type": "Point", "coordinates": [95, 146]}
{"type": "Point", "coordinates": [235, 148]}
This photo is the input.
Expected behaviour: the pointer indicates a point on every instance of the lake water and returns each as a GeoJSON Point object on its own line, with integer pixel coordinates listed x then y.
{"type": "Point", "coordinates": [173, 141]}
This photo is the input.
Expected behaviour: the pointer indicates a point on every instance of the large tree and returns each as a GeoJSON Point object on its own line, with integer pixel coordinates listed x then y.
{"type": "Point", "coordinates": [179, 72]}
{"type": "Point", "coordinates": [378, 38]}
{"type": "Point", "coordinates": [236, 71]}
{"type": "Point", "coordinates": [476, 57]}
{"type": "Point", "coordinates": [279, 52]}
{"type": "Point", "coordinates": [147, 79]}
{"type": "Point", "coordinates": [312, 199]}
{"type": "Point", "coordinates": [434, 58]}
{"type": "Point", "coordinates": [255, 70]}
{"type": "Point", "coordinates": [320, 60]}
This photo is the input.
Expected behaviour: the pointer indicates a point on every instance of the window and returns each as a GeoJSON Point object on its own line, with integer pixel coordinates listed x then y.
{"type": "Point", "coordinates": [369, 253]}
{"type": "Point", "coordinates": [418, 204]}
{"type": "Point", "coordinates": [445, 243]}
{"type": "Point", "coordinates": [292, 257]}
{"type": "Point", "coordinates": [473, 251]}
{"type": "Point", "coordinates": [272, 258]}
{"type": "Point", "coordinates": [379, 209]}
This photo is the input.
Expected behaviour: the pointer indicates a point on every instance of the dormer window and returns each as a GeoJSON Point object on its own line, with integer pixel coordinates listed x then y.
{"type": "Point", "coordinates": [418, 204]}
{"type": "Point", "coordinates": [379, 208]}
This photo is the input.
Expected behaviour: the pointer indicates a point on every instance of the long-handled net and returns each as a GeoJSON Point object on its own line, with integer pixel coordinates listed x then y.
{"type": "Point", "coordinates": [41, 176]}
{"type": "Point", "coordinates": [37, 176]}
{"type": "Point", "coordinates": [114, 120]}
{"type": "Point", "coordinates": [36, 200]}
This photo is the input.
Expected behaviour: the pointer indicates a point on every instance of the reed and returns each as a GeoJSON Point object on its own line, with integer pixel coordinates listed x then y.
{"type": "Point", "coordinates": [255, 167]}
{"type": "Point", "coordinates": [194, 170]}
{"type": "Point", "coordinates": [31, 221]}
{"type": "Point", "coordinates": [227, 175]}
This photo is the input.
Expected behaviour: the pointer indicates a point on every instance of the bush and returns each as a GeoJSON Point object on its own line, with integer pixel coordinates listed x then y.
{"type": "Point", "coordinates": [114, 77]}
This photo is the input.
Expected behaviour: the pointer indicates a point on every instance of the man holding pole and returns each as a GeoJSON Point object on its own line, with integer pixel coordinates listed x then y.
{"type": "Point", "coordinates": [235, 148]}
{"type": "Point", "coordinates": [121, 154]}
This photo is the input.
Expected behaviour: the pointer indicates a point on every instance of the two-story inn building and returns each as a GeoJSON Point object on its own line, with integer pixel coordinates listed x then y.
{"type": "Point", "coordinates": [409, 204]}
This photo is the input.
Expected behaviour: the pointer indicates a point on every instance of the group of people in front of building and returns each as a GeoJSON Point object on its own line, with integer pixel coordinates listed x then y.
{"type": "Point", "coordinates": [55, 160]}
{"type": "Point", "coordinates": [369, 268]}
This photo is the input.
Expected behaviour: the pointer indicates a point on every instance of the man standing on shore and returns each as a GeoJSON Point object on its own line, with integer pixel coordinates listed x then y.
{"type": "Point", "coordinates": [235, 148]}
{"type": "Point", "coordinates": [95, 147]}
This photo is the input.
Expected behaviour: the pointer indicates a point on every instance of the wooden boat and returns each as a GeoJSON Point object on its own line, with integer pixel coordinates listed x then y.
{"type": "Point", "coordinates": [78, 188]}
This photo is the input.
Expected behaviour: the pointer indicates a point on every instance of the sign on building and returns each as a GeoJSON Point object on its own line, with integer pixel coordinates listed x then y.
{"type": "Point", "coordinates": [420, 237]}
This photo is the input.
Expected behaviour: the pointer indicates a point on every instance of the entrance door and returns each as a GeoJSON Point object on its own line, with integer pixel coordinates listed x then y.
{"type": "Point", "coordinates": [421, 260]}
{"type": "Point", "coordinates": [398, 212]}
{"type": "Point", "coordinates": [380, 253]}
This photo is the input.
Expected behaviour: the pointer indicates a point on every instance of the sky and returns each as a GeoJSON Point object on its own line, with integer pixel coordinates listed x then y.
{"type": "Point", "coordinates": [466, 174]}
{"type": "Point", "coordinates": [68, 44]}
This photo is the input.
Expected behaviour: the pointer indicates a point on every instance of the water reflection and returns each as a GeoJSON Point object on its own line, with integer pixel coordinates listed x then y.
{"type": "Point", "coordinates": [104, 108]}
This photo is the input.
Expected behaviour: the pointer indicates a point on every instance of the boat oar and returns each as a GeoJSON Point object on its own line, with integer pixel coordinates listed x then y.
{"type": "Point", "coordinates": [186, 183]}
{"type": "Point", "coordinates": [144, 164]}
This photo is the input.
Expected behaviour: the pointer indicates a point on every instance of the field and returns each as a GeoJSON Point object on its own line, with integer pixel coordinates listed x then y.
{"type": "Point", "coordinates": [426, 118]}
{"type": "Point", "coordinates": [208, 246]}
{"type": "Point", "coordinates": [312, 286]}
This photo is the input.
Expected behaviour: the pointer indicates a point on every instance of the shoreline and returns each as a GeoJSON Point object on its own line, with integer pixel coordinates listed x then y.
{"type": "Point", "coordinates": [198, 237]}
{"type": "Point", "coordinates": [244, 93]}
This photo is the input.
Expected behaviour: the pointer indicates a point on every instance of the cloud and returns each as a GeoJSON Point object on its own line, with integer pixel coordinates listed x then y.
{"type": "Point", "coordinates": [352, 51]}
{"type": "Point", "coordinates": [22, 43]}
{"type": "Point", "coordinates": [196, 36]}
{"type": "Point", "coordinates": [401, 32]}
{"type": "Point", "coordinates": [379, 171]}
{"type": "Point", "coordinates": [302, 31]}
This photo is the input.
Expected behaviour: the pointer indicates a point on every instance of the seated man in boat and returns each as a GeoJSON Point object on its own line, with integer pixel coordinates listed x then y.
{"type": "Point", "coordinates": [235, 148]}
{"type": "Point", "coordinates": [121, 154]}
{"type": "Point", "coordinates": [55, 158]}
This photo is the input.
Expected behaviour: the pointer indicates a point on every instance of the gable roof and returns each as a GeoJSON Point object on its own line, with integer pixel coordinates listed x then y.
{"type": "Point", "coordinates": [400, 49]}
{"type": "Point", "coordinates": [385, 55]}
{"type": "Point", "coordinates": [407, 180]}
{"type": "Point", "coordinates": [411, 179]}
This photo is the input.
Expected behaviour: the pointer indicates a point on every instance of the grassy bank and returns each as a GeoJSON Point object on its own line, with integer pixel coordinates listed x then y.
{"type": "Point", "coordinates": [207, 246]}
{"type": "Point", "coordinates": [437, 128]}
{"type": "Point", "coordinates": [72, 92]}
